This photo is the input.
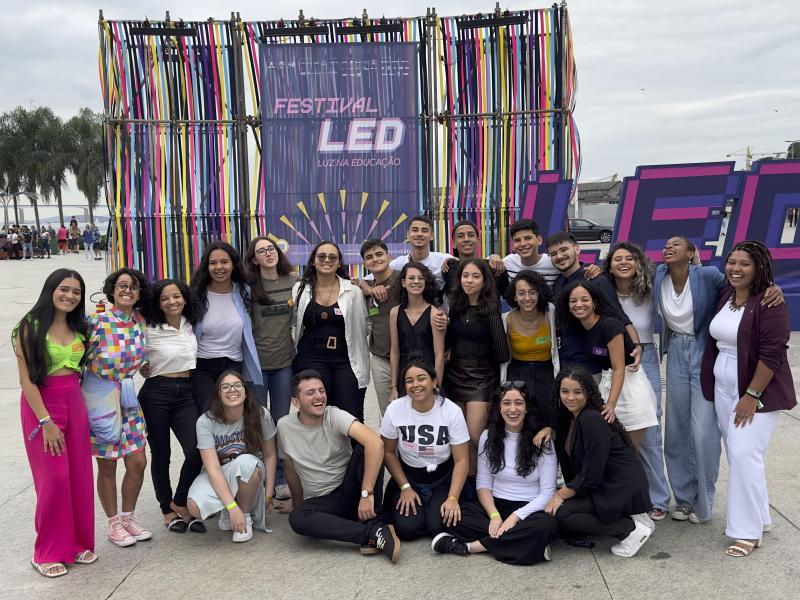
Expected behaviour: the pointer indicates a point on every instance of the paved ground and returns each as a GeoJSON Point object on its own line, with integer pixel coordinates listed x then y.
{"type": "Point", "coordinates": [680, 561]}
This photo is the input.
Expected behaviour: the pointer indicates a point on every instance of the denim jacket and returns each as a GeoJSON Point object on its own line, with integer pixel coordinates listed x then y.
{"type": "Point", "coordinates": [705, 282]}
{"type": "Point", "coordinates": [251, 367]}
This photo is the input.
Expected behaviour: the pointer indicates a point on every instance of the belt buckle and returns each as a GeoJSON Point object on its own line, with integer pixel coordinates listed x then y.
{"type": "Point", "coordinates": [331, 343]}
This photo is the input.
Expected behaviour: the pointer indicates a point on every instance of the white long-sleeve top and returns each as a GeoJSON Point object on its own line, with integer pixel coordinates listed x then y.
{"type": "Point", "coordinates": [537, 488]}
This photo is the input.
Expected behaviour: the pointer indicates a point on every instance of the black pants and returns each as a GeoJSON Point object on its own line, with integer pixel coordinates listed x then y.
{"type": "Point", "coordinates": [523, 544]}
{"type": "Point", "coordinates": [334, 516]}
{"type": "Point", "coordinates": [577, 517]}
{"type": "Point", "coordinates": [204, 378]}
{"type": "Point", "coordinates": [538, 376]}
{"type": "Point", "coordinates": [167, 405]}
{"type": "Point", "coordinates": [428, 520]}
{"type": "Point", "coordinates": [341, 385]}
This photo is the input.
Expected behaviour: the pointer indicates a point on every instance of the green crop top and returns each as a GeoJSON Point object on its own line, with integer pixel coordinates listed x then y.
{"type": "Point", "coordinates": [68, 356]}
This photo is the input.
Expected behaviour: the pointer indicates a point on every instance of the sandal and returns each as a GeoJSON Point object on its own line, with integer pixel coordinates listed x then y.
{"type": "Point", "coordinates": [50, 570]}
{"type": "Point", "coordinates": [176, 525]}
{"type": "Point", "coordinates": [657, 514]}
{"type": "Point", "coordinates": [741, 548]}
{"type": "Point", "coordinates": [197, 526]}
{"type": "Point", "coordinates": [86, 557]}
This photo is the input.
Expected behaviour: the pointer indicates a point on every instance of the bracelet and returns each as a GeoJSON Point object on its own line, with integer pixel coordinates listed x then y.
{"type": "Point", "coordinates": [267, 498]}
{"type": "Point", "coordinates": [231, 506]}
{"type": "Point", "coordinates": [453, 498]}
{"type": "Point", "coordinates": [494, 514]}
{"type": "Point", "coordinates": [405, 486]}
{"type": "Point", "coordinates": [393, 387]}
{"type": "Point", "coordinates": [45, 420]}
{"type": "Point", "coordinates": [749, 391]}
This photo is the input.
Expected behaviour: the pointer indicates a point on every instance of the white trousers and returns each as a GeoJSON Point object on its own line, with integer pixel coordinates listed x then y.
{"type": "Point", "coordinates": [746, 447]}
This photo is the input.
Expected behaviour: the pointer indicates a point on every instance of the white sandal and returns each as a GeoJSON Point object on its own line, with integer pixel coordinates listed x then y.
{"type": "Point", "coordinates": [742, 548]}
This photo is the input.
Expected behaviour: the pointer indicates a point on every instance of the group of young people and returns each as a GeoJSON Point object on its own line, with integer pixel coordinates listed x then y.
{"type": "Point", "coordinates": [261, 375]}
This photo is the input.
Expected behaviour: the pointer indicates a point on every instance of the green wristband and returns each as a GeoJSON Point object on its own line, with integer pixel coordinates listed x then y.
{"type": "Point", "coordinates": [494, 514]}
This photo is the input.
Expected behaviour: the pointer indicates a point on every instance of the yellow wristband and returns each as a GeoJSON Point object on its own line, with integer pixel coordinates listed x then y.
{"type": "Point", "coordinates": [494, 514]}
{"type": "Point", "coordinates": [405, 486]}
{"type": "Point", "coordinates": [453, 498]}
{"type": "Point", "coordinates": [231, 506]}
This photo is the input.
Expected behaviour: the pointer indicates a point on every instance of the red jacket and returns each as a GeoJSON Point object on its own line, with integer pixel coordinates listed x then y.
{"type": "Point", "coordinates": [763, 335]}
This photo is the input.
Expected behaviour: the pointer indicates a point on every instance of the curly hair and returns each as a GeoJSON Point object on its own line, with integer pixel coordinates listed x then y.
{"type": "Point", "coordinates": [31, 332]}
{"type": "Point", "coordinates": [110, 284]}
{"type": "Point", "coordinates": [602, 305]}
{"type": "Point", "coordinates": [762, 259]}
{"type": "Point", "coordinates": [537, 282]}
{"type": "Point", "coordinates": [487, 298]}
{"type": "Point", "coordinates": [309, 278]}
{"type": "Point", "coordinates": [251, 417]}
{"type": "Point", "coordinates": [253, 272]}
{"type": "Point", "coordinates": [201, 278]}
{"type": "Point", "coordinates": [431, 290]}
{"type": "Point", "coordinates": [642, 285]}
{"type": "Point", "coordinates": [527, 451]}
{"type": "Point", "coordinates": [151, 307]}
{"type": "Point", "coordinates": [594, 401]}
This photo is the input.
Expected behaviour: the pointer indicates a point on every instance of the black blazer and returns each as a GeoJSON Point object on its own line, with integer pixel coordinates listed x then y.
{"type": "Point", "coordinates": [603, 467]}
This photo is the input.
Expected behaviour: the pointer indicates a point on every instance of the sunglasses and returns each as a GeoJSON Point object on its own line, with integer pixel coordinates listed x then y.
{"type": "Point", "coordinates": [331, 258]}
{"type": "Point", "coordinates": [517, 383]}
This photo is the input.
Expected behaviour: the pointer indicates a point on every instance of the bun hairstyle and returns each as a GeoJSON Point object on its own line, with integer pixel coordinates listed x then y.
{"type": "Point", "coordinates": [417, 360]}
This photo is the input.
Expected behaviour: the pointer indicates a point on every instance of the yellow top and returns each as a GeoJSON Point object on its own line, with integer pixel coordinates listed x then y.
{"type": "Point", "coordinates": [530, 348]}
{"type": "Point", "coordinates": [65, 357]}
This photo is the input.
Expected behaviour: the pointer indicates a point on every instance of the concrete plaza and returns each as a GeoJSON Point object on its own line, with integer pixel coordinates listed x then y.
{"type": "Point", "coordinates": [681, 560]}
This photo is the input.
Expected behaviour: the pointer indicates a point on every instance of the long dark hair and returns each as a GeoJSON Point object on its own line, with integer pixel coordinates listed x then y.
{"type": "Point", "coordinates": [309, 278]}
{"type": "Point", "coordinates": [762, 259]}
{"type": "Point", "coordinates": [430, 291]}
{"type": "Point", "coordinates": [151, 309]}
{"type": "Point", "coordinates": [594, 401]}
{"type": "Point", "coordinates": [201, 277]}
{"type": "Point", "coordinates": [527, 451]}
{"type": "Point", "coordinates": [642, 285]}
{"type": "Point", "coordinates": [602, 305]}
{"type": "Point", "coordinates": [253, 272]}
{"type": "Point", "coordinates": [31, 331]}
{"type": "Point", "coordinates": [487, 298]}
{"type": "Point", "coordinates": [251, 417]}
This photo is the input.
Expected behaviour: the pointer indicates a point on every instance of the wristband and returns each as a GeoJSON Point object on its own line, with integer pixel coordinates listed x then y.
{"type": "Point", "coordinates": [749, 391]}
{"type": "Point", "coordinates": [45, 420]}
{"type": "Point", "coordinates": [494, 514]}
{"type": "Point", "coordinates": [231, 506]}
{"type": "Point", "coordinates": [405, 486]}
{"type": "Point", "coordinates": [267, 498]}
{"type": "Point", "coordinates": [453, 498]}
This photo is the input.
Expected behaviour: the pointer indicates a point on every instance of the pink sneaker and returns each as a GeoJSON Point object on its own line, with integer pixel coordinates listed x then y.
{"type": "Point", "coordinates": [117, 534]}
{"type": "Point", "coordinates": [132, 526]}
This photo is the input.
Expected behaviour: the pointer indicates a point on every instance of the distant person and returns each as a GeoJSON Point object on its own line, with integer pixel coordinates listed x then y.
{"type": "Point", "coordinates": [44, 241]}
{"type": "Point", "coordinates": [27, 243]}
{"type": "Point", "coordinates": [62, 240]}
{"type": "Point", "coordinates": [88, 236]}
{"type": "Point", "coordinates": [74, 238]}
{"type": "Point", "coordinates": [96, 242]}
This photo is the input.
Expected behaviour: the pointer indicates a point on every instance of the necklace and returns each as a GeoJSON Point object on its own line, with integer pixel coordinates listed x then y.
{"type": "Point", "coordinates": [735, 307]}
{"type": "Point", "coordinates": [328, 298]}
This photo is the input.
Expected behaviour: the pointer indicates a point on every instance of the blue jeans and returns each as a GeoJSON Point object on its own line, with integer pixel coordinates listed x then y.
{"type": "Point", "coordinates": [692, 446]}
{"type": "Point", "coordinates": [651, 454]}
{"type": "Point", "coordinates": [278, 384]}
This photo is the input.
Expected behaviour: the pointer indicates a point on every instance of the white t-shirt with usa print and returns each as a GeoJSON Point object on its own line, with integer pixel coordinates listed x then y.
{"type": "Point", "coordinates": [424, 438]}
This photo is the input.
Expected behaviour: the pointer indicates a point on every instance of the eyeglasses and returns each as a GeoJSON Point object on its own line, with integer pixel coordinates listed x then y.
{"type": "Point", "coordinates": [517, 383]}
{"type": "Point", "coordinates": [527, 294]}
{"type": "Point", "coordinates": [265, 251]}
{"type": "Point", "coordinates": [331, 258]}
{"type": "Point", "coordinates": [227, 387]}
{"type": "Point", "coordinates": [124, 287]}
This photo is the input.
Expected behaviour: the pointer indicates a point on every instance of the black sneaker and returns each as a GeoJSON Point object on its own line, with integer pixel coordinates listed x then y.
{"type": "Point", "coordinates": [386, 541]}
{"type": "Point", "coordinates": [446, 543]}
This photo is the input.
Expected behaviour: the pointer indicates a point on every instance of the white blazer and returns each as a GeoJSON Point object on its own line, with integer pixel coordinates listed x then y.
{"type": "Point", "coordinates": [551, 317]}
{"type": "Point", "coordinates": [356, 325]}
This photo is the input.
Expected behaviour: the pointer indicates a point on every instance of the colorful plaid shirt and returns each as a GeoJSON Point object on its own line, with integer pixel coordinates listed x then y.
{"type": "Point", "coordinates": [116, 344]}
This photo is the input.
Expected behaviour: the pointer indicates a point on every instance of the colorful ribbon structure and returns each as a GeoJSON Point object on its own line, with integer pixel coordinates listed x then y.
{"type": "Point", "coordinates": [182, 123]}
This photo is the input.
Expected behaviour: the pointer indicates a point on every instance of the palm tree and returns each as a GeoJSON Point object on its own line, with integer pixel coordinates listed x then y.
{"type": "Point", "coordinates": [57, 145]}
{"type": "Point", "coordinates": [22, 155]}
{"type": "Point", "coordinates": [86, 163]}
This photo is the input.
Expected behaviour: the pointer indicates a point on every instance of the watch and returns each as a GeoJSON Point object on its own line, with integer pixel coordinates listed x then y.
{"type": "Point", "coordinates": [367, 493]}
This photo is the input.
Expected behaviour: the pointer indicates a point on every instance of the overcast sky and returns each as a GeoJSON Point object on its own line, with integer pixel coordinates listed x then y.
{"type": "Point", "coordinates": [658, 82]}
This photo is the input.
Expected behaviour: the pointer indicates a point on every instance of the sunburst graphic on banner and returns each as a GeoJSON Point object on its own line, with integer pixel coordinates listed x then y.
{"type": "Point", "coordinates": [346, 234]}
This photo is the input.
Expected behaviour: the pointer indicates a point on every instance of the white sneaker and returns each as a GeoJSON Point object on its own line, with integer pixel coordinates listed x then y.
{"type": "Point", "coordinates": [282, 492]}
{"type": "Point", "coordinates": [248, 532]}
{"type": "Point", "coordinates": [224, 522]}
{"type": "Point", "coordinates": [628, 547]}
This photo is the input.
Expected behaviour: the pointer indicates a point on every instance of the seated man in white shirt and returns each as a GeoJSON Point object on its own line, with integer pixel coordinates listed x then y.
{"type": "Point", "coordinates": [336, 486]}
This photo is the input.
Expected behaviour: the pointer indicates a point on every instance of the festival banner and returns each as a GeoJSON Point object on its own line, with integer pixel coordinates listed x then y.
{"type": "Point", "coordinates": [340, 144]}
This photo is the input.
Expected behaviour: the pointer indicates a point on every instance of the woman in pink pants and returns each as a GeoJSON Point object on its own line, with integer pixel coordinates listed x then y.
{"type": "Point", "coordinates": [49, 344]}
